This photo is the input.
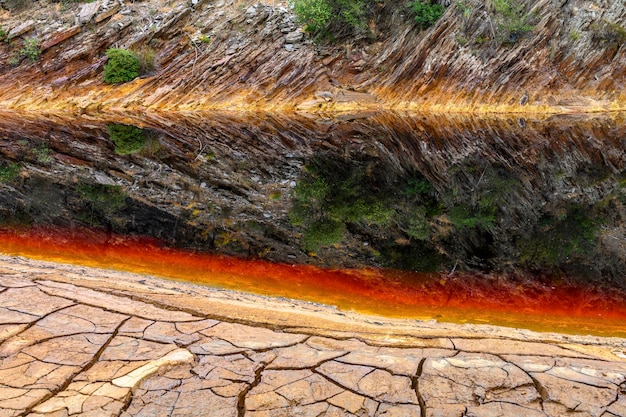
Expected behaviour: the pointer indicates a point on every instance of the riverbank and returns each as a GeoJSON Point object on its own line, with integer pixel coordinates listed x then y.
{"type": "Point", "coordinates": [80, 340]}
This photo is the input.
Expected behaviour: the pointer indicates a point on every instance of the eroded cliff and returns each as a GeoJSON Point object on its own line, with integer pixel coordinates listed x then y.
{"type": "Point", "coordinates": [239, 54]}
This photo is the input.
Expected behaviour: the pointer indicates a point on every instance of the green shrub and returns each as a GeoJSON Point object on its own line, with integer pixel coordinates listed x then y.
{"type": "Point", "coordinates": [9, 172]}
{"type": "Point", "coordinates": [15, 5]}
{"type": "Point", "coordinates": [608, 33]}
{"type": "Point", "coordinates": [43, 153]}
{"type": "Point", "coordinates": [147, 59]}
{"type": "Point", "coordinates": [30, 49]}
{"type": "Point", "coordinates": [123, 66]}
{"type": "Point", "coordinates": [128, 139]}
{"type": "Point", "coordinates": [332, 17]}
{"type": "Point", "coordinates": [426, 14]}
{"type": "Point", "coordinates": [104, 198]}
{"type": "Point", "coordinates": [3, 33]}
{"type": "Point", "coordinates": [325, 232]}
{"type": "Point", "coordinates": [315, 14]}
{"type": "Point", "coordinates": [512, 20]}
{"type": "Point", "coordinates": [464, 216]}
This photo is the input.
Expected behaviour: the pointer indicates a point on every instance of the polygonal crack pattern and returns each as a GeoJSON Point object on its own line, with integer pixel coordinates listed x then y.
{"type": "Point", "coordinates": [69, 350]}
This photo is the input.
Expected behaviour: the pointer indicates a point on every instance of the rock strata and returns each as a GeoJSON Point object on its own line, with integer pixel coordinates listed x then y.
{"type": "Point", "coordinates": [77, 341]}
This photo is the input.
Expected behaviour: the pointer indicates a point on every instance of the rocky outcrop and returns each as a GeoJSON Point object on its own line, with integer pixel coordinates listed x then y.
{"type": "Point", "coordinates": [223, 55]}
{"type": "Point", "coordinates": [76, 341]}
{"type": "Point", "coordinates": [530, 197]}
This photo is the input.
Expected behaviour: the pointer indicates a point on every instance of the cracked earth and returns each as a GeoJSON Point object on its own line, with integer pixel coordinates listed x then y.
{"type": "Point", "coordinates": [80, 341]}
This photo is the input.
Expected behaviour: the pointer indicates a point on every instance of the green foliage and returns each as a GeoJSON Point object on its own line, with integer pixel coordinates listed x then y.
{"type": "Point", "coordinates": [464, 216]}
{"type": "Point", "coordinates": [9, 172]}
{"type": "Point", "coordinates": [30, 49]}
{"type": "Point", "coordinates": [426, 14]}
{"type": "Point", "coordinates": [559, 238]}
{"type": "Point", "coordinates": [419, 186]}
{"type": "Point", "coordinates": [332, 195]}
{"type": "Point", "coordinates": [3, 34]}
{"type": "Point", "coordinates": [43, 153]}
{"type": "Point", "coordinates": [106, 198]}
{"type": "Point", "coordinates": [128, 139]}
{"type": "Point", "coordinates": [15, 5]}
{"type": "Point", "coordinates": [147, 59]}
{"type": "Point", "coordinates": [14, 60]}
{"type": "Point", "coordinates": [608, 33]}
{"type": "Point", "coordinates": [315, 14]}
{"type": "Point", "coordinates": [122, 66]}
{"type": "Point", "coordinates": [332, 17]}
{"type": "Point", "coordinates": [326, 232]}
{"type": "Point", "coordinates": [418, 225]}
{"type": "Point", "coordinates": [205, 39]}
{"type": "Point", "coordinates": [512, 21]}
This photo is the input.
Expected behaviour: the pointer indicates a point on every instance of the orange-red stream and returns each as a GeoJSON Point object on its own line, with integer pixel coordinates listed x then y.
{"type": "Point", "coordinates": [461, 298]}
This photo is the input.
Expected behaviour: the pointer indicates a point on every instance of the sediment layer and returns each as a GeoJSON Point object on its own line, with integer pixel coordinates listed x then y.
{"type": "Point", "coordinates": [243, 55]}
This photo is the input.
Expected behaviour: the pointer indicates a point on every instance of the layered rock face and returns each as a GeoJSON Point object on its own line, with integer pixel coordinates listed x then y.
{"type": "Point", "coordinates": [501, 195]}
{"type": "Point", "coordinates": [239, 54]}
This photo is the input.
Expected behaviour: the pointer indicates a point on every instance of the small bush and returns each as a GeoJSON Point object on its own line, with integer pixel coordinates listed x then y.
{"type": "Point", "coordinates": [105, 198]}
{"type": "Point", "coordinates": [512, 21]}
{"type": "Point", "coordinates": [123, 66]}
{"type": "Point", "coordinates": [426, 14]}
{"type": "Point", "coordinates": [332, 17]}
{"type": "Point", "coordinates": [608, 33]}
{"type": "Point", "coordinates": [15, 5]}
{"type": "Point", "coordinates": [325, 232]}
{"type": "Point", "coordinates": [9, 172]}
{"type": "Point", "coordinates": [128, 139]}
{"type": "Point", "coordinates": [3, 33]}
{"type": "Point", "coordinates": [30, 49]}
{"type": "Point", "coordinates": [147, 59]}
{"type": "Point", "coordinates": [43, 154]}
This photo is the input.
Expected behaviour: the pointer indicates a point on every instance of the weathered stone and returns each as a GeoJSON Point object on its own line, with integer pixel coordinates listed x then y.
{"type": "Point", "coordinates": [195, 326]}
{"type": "Point", "coordinates": [471, 377]}
{"type": "Point", "coordinates": [115, 303]}
{"type": "Point", "coordinates": [345, 375]}
{"type": "Point", "coordinates": [318, 409]}
{"type": "Point", "coordinates": [310, 390]}
{"type": "Point", "coordinates": [301, 357]}
{"type": "Point", "coordinates": [75, 350]}
{"type": "Point", "coordinates": [512, 347]}
{"type": "Point", "coordinates": [124, 348]}
{"type": "Point", "coordinates": [133, 378]}
{"type": "Point", "coordinates": [251, 337]}
{"type": "Point", "coordinates": [563, 395]}
{"type": "Point", "coordinates": [500, 409]}
{"type": "Point", "coordinates": [381, 385]}
{"type": "Point", "coordinates": [294, 37]}
{"type": "Point", "coordinates": [272, 380]}
{"type": "Point", "coordinates": [21, 29]}
{"type": "Point", "coordinates": [212, 346]}
{"type": "Point", "coordinates": [88, 11]}
{"type": "Point", "coordinates": [61, 36]}
{"type": "Point", "coordinates": [97, 355]}
{"type": "Point", "coordinates": [349, 401]}
{"type": "Point", "coordinates": [232, 368]}
{"type": "Point", "coordinates": [31, 301]}
{"type": "Point", "coordinates": [400, 365]}
{"type": "Point", "coordinates": [108, 13]}
{"type": "Point", "coordinates": [168, 333]}
{"type": "Point", "coordinates": [14, 317]}
{"type": "Point", "coordinates": [401, 410]}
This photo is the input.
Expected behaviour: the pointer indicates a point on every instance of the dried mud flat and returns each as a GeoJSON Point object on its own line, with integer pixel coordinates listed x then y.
{"type": "Point", "coordinates": [81, 341]}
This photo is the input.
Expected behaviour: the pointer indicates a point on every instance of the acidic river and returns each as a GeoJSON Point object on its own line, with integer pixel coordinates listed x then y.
{"type": "Point", "coordinates": [506, 221]}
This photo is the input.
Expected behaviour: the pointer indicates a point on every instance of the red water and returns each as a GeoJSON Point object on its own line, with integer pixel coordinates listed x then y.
{"type": "Point", "coordinates": [461, 298]}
